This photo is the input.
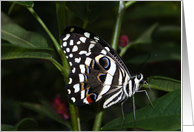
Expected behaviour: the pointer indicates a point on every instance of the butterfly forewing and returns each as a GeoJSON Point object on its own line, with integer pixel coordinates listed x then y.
{"type": "Point", "coordinates": [97, 70]}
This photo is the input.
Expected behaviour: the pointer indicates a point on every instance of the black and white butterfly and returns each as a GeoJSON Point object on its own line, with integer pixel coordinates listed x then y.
{"type": "Point", "coordinates": [98, 72]}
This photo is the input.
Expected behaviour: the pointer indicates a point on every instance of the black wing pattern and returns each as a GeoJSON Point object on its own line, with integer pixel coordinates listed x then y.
{"type": "Point", "coordinates": [97, 70]}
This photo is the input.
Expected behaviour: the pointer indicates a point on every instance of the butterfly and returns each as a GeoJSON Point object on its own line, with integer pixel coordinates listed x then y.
{"type": "Point", "coordinates": [97, 71]}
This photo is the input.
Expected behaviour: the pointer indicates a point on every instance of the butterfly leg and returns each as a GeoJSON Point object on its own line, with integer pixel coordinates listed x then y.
{"type": "Point", "coordinates": [147, 97]}
{"type": "Point", "coordinates": [122, 113]}
{"type": "Point", "coordinates": [134, 110]}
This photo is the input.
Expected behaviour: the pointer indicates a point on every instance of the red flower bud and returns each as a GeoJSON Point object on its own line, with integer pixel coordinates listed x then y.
{"type": "Point", "coordinates": [61, 107]}
{"type": "Point", "coordinates": [123, 41]}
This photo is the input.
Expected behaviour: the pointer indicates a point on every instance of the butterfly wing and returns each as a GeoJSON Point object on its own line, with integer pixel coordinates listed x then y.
{"type": "Point", "coordinates": [97, 70]}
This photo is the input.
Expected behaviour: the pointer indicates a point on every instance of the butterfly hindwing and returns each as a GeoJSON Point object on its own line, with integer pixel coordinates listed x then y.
{"type": "Point", "coordinates": [97, 70]}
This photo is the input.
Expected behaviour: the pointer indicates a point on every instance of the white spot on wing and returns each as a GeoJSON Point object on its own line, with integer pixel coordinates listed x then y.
{"type": "Point", "coordinates": [83, 39]}
{"type": "Point", "coordinates": [78, 59]}
{"type": "Point", "coordinates": [85, 101]}
{"type": "Point", "coordinates": [81, 78]}
{"type": "Point", "coordinates": [73, 70]}
{"type": "Point", "coordinates": [71, 42]}
{"type": "Point", "coordinates": [87, 34]}
{"type": "Point", "coordinates": [88, 61]}
{"type": "Point", "coordinates": [69, 91]}
{"type": "Point", "coordinates": [96, 38]}
{"type": "Point", "coordinates": [78, 42]}
{"type": "Point", "coordinates": [75, 48]}
{"type": "Point", "coordinates": [70, 80]}
{"type": "Point", "coordinates": [73, 99]}
{"type": "Point", "coordinates": [82, 68]}
{"type": "Point", "coordinates": [82, 52]}
{"type": "Point", "coordinates": [90, 47]}
{"type": "Point", "coordinates": [92, 42]}
{"type": "Point", "coordinates": [76, 88]}
{"type": "Point", "coordinates": [88, 54]}
{"type": "Point", "coordinates": [107, 48]}
{"type": "Point", "coordinates": [82, 94]}
{"type": "Point", "coordinates": [70, 55]}
{"type": "Point", "coordinates": [67, 49]}
{"type": "Point", "coordinates": [70, 63]}
{"type": "Point", "coordinates": [66, 37]}
{"type": "Point", "coordinates": [64, 44]}
{"type": "Point", "coordinates": [103, 52]}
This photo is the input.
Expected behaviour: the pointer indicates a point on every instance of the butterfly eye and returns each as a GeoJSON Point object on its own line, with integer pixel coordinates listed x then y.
{"type": "Point", "coordinates": [138, 76]}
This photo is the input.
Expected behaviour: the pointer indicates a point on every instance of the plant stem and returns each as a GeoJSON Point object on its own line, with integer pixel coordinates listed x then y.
{"type": "Point", "coordinates": [11, 8]}
{"type": "Point", "coordinates": [85, 24]}
{"type": "Point", "coordinates": [66, 68]}
{"type": "Point", "coordinates": [98, 119]}
{"type": "Point", "coordinates": [73, 113]}
{"type": "Point", "coordinates": [129, 3]}
{"type": "Point", "coordinates": [116, 31]}
{"type": "Point", "coordinates": [61, 13]}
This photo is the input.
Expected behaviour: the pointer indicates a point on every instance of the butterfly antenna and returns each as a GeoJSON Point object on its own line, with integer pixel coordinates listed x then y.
{"type": "Point", "coordinates": [144, 63]}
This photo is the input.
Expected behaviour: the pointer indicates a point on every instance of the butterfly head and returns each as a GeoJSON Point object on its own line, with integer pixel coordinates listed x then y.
{"type": "Point", "coordinates": [138, 81]}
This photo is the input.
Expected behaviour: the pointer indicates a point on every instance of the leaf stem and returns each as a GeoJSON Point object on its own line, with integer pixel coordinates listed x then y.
{"type": "Point", "coordinates": [123, 50]}
{"type": "Point", "coordinates": [129, 3]}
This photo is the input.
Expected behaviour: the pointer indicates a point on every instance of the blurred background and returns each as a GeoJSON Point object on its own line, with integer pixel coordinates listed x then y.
{"type": "Point", "coordinates": [30, 80]}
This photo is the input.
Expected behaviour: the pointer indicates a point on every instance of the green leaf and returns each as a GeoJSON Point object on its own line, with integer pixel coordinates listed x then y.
{"type": "Point", "coordinates": [26, 124]}
{"type": "Point", "coordinates": [163, 83]}
{"type": "Point", "coordinates": [146, 36]}
{"type": "Point", "coordinates": [25, 3]}
{"type": "Point", "coordinates": [46, 110]}
{"type": "Point", "coordinates": [88, 11]}
{"type": "Point", "coordinates": [5, 127]}
{"type": "Point", "coordinates": [9, 51]}
{"type": "Point", "coordinates": [16, 35]}
{"type": "Point", "coordinates": [166, 117]}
